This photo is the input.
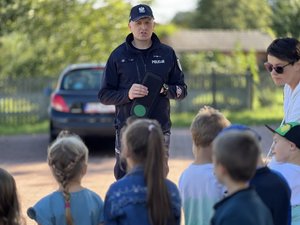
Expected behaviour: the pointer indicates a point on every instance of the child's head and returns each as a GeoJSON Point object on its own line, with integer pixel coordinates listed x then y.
{"type": "Point", "coordinates": [9, 204]}
{"type": "Point", "coordinates": [67, 158]}
{"type": "Point", "coordinates": [143, 144]}
{"type": "Point", "coordinates": [249, 130]}
{"type": "Point", "coordinates": [286, 142]}
{"type": "Point", "coordinates": [235, 155]}
{"type": "Point", "coordinates": [139, 137]}
{"type": "Point", "coordinates": [206, 125]}
{"type": "Point", "coordinates": [242, 128]}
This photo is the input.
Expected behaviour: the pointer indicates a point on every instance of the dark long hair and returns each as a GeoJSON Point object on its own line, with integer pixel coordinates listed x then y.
{"type": "Point", "coordinates": [9, 203]}
{"type": "Point", "coordinates": [145, 140]}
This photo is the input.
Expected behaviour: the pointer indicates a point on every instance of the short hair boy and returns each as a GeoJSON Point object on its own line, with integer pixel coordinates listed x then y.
{"type": "Point", "coordinates": [270, 185]}
{"type": "Point", "coordinates": [235, 156]}
{"type": "Point", "coordinates": [199, 187]}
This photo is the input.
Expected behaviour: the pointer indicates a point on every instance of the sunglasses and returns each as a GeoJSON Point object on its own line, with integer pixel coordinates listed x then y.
{"type": "Point", "coordinates": [278, 69]}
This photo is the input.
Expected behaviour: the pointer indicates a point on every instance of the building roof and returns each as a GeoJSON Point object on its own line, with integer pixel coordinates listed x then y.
{"type": "Point", "coordinates": [221, 40]}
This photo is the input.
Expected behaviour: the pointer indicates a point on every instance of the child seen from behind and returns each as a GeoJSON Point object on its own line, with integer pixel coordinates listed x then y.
{"type": "Point", "coordinates": [10, 210]}
{"type": "Point", "coordinates": [71, 203]}
{"type": "Point", "coordinates": [198, 185]}
{"type": "Point", "coordinates": [143, 196]}
{"type": "Point", "coordinates": [235, 156]}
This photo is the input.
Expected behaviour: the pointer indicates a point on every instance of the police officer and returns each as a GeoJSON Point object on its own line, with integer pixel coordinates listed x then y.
{"type": "Point", "coordinates": [122, 84]}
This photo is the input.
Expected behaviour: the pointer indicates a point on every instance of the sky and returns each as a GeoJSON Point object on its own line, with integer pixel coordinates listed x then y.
{"type": "Point", "coordinates": [164, 10]}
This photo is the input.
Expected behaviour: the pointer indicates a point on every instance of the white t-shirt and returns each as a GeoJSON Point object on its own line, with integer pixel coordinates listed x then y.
{"type": "Point", "coordinates": [291, 173]}
{"type": "Point", "coordinates": [291, 104]}
{"type": "Point", "coordinates": [199, 191]}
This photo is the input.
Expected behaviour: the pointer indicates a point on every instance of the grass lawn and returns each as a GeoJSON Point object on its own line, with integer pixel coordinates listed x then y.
{"type": "Point", "coordinates": [259, 116]}
{"type": "Point", "coordinates": [36, 128]}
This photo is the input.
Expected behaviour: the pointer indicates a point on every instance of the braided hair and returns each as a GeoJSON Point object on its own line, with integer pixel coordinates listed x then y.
{"type": "Point", "coordinates": [67, 156]}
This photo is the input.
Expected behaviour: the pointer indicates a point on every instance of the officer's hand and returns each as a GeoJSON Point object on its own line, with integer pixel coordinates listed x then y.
{"type": "Point", "coordinates": [137, 91]}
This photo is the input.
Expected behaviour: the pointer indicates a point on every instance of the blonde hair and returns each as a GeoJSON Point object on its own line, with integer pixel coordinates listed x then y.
{"type": "Point", "coordinates": [206, 125]}
{"type": "Point", "coordinates": [67, 156]}
{"type": "Point", "coordinates": [144, 139]}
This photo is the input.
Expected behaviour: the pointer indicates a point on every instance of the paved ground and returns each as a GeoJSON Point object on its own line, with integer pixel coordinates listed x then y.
{"type": "Point", "coordinates": [25, 157]}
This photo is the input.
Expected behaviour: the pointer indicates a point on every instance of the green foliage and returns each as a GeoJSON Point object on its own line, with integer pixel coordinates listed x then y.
{"type": "Point", "coordinates": [232, 14]}
{"type": "Point", "coordinates": [286, 17]}
{"type": "Point", "coordinates": [238, 62]}
{"type": "Point", "coordinates": [184, 19]}
{"type": "Point", "coordinates": [10, 12]}
{"type": "Point", "coordinates": [54, 33]}
{"type": "Point", "coordinates": [162, 30]}
{"type": "Point", "coordinates": [258, 116]}
{"type": "Point", "coordinates": [277, 17]}
{"type": "Point", "coordinates": [32, 128]}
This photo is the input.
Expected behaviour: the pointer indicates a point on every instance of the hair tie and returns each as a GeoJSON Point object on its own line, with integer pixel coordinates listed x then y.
{"type": "Point", "coordinates": [67, 205]}
{"type": "Point", "coordinates": [150, 127]}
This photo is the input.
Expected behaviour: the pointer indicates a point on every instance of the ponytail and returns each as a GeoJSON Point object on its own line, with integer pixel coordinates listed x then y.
{"type": "Point", "coordinates": [145, 140]}
{"type": "Point", "coordinates": [157, 194]}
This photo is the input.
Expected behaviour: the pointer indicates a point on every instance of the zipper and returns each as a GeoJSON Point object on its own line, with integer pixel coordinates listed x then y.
{"type": "Point", "coordinates": [138, 70]}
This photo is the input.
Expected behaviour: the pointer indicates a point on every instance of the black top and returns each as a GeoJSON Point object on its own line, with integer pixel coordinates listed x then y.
{"type": "Point", "coordinates": [274, 191]}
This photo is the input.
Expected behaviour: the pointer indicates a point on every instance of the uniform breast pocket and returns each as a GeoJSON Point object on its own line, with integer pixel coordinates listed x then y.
{"type": "Point", "coordinates": [128, 70]}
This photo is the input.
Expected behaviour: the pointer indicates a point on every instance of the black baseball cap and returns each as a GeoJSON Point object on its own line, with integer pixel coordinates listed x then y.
{"type": "Point", "coordinates": [140, 11]}
{"type": "Point", "coordinates": [290, 131]}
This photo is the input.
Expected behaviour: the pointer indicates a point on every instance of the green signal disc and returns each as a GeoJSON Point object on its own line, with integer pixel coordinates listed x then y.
{"type": "Point", "coordinates": [139, 110]}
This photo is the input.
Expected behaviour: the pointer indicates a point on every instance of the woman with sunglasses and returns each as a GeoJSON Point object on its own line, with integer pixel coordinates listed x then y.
{"type": "Point", "coordinates": [283, 63]}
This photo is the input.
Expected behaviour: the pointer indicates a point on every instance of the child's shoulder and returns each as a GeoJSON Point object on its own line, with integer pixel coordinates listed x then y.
{"type": "Point", "coordinates": [197, 170]}
{"type": "Point", "coordinates": [89, 193]}
{"type": "Point", "coordinates": [44, 204]}
{"type": "Point", "coordinates": [284, 167]}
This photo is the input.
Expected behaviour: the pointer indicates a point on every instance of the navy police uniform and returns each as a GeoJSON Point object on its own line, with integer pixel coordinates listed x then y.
{"type": "Point", "coordinates": [128, 65]}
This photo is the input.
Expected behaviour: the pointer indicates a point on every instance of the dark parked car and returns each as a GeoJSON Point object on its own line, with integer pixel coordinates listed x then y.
{"type": "Point", "coordinates": [74, 103]}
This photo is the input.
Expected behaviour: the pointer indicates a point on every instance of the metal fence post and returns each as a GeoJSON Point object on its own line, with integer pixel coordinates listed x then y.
{"type": "Point", "coordinates": [214, 88]}
{"type": "Point", "coordinates": [249, 89]}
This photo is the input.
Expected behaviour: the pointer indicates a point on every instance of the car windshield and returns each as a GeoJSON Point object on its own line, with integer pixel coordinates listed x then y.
{"type": "Point", "coordinates": [82, 79]}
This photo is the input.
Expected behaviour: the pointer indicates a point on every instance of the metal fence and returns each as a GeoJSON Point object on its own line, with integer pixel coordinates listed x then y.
{"type": "Point", "coordinates": [25, 100]}
{"type": "Point", "coordinates": [222, 91]}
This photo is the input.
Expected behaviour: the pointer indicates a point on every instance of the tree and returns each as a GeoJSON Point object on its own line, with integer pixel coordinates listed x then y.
{"type": "Point", "coordinates": [10, 11]}
{"type": "Point", "coordinates": [54, 33]}
{"type": "Point", "coordinates": [286, 17]}
{"type": "Point", "coordinates": [45, 36]}
{"type": "Point", "coordinates": [184, 19]}
{"type": "Point", "coordinates": [232, 14]}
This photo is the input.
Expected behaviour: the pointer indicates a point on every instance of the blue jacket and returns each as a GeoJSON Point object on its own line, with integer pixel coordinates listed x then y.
{"type": "Point", "coordinates": [127, 65]}
{"type": "Point", "coordinates": [126, 201]}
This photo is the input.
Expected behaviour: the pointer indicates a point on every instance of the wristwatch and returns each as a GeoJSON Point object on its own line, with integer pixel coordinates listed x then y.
{"type": "Point", "coordinates": [165, 89]}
